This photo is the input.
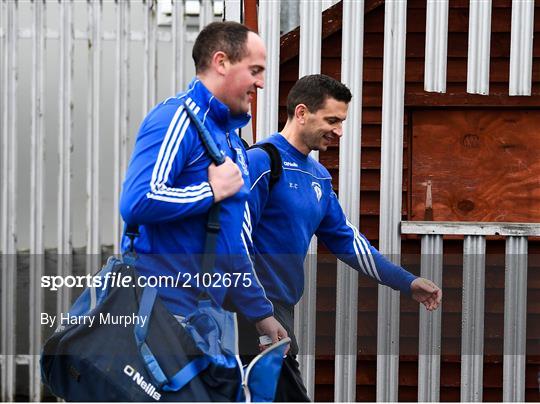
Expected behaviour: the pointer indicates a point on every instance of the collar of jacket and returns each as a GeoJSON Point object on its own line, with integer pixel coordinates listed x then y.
{"type": "Point", "coordinates": [210, 105]}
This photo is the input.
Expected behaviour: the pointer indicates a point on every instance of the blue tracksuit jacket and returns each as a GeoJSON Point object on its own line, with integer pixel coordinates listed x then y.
{"type": "Point", "coordinates": [283, 221]}
{"type": "Point", "coordinates": [166, 192]}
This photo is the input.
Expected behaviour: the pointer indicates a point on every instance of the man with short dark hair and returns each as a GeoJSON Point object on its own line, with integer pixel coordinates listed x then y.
{"type": "Point", "coordinates": [171, 183]}
{"type": "Point", "coordinates": [302, 203]}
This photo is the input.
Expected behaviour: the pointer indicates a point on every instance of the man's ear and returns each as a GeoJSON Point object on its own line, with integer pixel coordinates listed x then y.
{"type": "Point", "coordinates": [300, 113]}
{"type": "Point", "coordinates": [220, 62]}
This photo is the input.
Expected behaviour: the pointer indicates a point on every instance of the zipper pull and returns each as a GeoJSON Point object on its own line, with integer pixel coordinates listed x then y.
{"type": "Point", "coordinates": [228, 139]}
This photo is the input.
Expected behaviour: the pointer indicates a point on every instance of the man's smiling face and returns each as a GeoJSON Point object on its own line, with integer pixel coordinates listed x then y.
{"type": "Point", "coordinates": [325, 125]}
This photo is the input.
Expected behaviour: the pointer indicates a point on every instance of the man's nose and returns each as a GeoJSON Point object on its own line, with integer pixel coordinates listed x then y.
{"type": "Point", "coordinates": [259, 83]}
{"type": "Point", "coordinates": [338, 131]}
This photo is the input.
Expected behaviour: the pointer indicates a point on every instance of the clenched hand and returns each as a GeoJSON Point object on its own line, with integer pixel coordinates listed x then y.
{"type": "Point", "coordinates": [225, 179]}
{"type": "Point", "coordinates": [426, 292]}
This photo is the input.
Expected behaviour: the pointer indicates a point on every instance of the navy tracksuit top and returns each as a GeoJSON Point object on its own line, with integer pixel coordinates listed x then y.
{"type": "Point", "coordinates": [283, 221]}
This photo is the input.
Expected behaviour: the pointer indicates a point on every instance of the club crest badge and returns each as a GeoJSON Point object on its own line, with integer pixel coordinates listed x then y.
{"type": "Point", "coordinates": [317, 188]}
{"type": "Point", "coordinates": [241, 160]}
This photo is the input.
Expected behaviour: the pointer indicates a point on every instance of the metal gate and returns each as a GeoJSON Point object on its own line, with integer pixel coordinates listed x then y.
{"type": "Point", "coordinates": [54, 75]}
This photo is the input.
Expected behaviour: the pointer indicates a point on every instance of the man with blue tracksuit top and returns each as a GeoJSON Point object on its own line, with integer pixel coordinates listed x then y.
{"type": "Point", "coordinates": [301, 204]}
{"type": "Point", "coordinates": [171, 184]}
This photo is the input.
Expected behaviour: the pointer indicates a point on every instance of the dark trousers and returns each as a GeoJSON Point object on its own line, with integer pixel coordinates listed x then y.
{"type": "Point", "coordinates": [290, 386]}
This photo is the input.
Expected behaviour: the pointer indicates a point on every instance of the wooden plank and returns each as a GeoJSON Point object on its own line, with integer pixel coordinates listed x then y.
{"type": "Point", "coordinates": [458, 20]}
{"type": "Point", "coordinates": [371, 159]}
{"type": "Point", "coordinates": [495, 155]}
{"type": "Point", "coordinates": [456, 96]}
{"type": "Point", "coordinates": [457, 45]}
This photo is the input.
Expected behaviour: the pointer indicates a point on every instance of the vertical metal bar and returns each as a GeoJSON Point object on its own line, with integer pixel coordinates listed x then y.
{"type": "Point", "coordinates": [121, 109]}
{"type": "Point", "coordinates": [306, 310]}
{"type": "Point", "coordinates": [479, 46]}
{"type": "Point", "coordinates": [395, 13]}
{"type": "Point", "coordinates": [64, 149]}
{"type": "Point", "coordinates": [93, 245]}
{"type": "Point", "coordinates": [150, 71]}
{"type": "Point", "coordinates": [8, 233]}
{"type": "Point", "coordinates": [436, 45]}
{"type": "Point", "coordinates": [515, 319]}
{"type": "Point", "coordinates": [472, 337]}
{"type": "Point", "coordinates": [232, 10]}
{"type": "Point", "coordinates": [429, 347]}
{"type": "Point", "coordinates": [267, 100]}
{"type": "Point", "coordinates": [206, 13]}
{"type": "Point", "coordinates": [37, 251]}
{"type": "Point", "coordinates": [178, 41]}
{"type": "Point", "coordinates": [310, 37]}
{"type": "Point", "coordinates": [521, 47]}
{"type": "Point", "coordinates": [352, 52]}
{"type": "Point", "coordinates": [325, 4]}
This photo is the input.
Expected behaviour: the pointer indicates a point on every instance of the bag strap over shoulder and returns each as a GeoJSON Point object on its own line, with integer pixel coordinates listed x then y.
{"type": "Point", "coordinates": [212, 225]}
{"type": "Point", "coordinates": [276, 164]}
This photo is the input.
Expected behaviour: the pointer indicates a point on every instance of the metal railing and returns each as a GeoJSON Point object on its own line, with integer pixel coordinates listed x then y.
{"type": "Point", "coordinates": [472, 336]}
{"type": "Point", "coordinates": [143, 43]}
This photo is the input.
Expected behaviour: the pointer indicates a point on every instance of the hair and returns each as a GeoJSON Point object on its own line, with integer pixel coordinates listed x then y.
{"type": "Point", "coordinates": [229, 37]}
{"type": "Point", "coordinates": [314, 90]}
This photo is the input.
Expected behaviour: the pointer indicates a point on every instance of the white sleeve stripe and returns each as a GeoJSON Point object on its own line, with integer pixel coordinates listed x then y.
{"type": "Point", "coordinates": [255, 272]}
{"type": "Point", "coordinates": [169, 144]}
{"type": "Point", "coordinates": [360, 258]}
{"type": "Point", "coordinates": [257, 180]}
{"type": "Point", "coordinates": [164, 145]}
{"type": "Point", "coordinates": [181, 193]}
{"type": "Point", "coordinates": [177, 141]}
{"type": "Point", "coordinates": [190, 187]}
{"type": "Point", "coordinates": [179, 200]}
{"type": "Point", "coordinates": [370, 258]}
{"type": "Point", "coordinates": [163, 166]}
{"type": "Point", "coordinates": [364, 258]}
{"type": "Point", "coordinates": [247, 216]}
{"type": "Point", "coordinates": [247, 231]}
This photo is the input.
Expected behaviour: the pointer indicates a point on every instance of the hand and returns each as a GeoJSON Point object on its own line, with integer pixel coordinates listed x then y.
{"type": "Point", "coordinates": [426, 292]}
{"type": "Point", "coordinates": [225, 179]}
{"type": "Point", "coordinates": [271, 327]}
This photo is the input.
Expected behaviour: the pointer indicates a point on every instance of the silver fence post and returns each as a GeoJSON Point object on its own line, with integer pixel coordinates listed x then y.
{"type": "Point", "coordinates": [268, 101]}
{"type": "Point", "coordinates": [8, 231]}
{"type": "Point", "coordinates": [64, 150]}
{"type": "Point", "coordinates": [37, 258]}
{"type": "Point", "coordinates": [515, 319]}
{"type": "Point", "coordinates": [436, 45]}
{"type": "Point", "coordinates": [479, 46]}
{"type": "Point", "coordinates": [178, 44]}
{"type": "Point", "coordinates": [521, 47]}
{"type": "Point", "coordinates": [121, 111]}
{"type": "Point", "coordinates": [305, 312]}
{"type": "Point", "coordinates": [472, 334]}
{"type": "Point", "coordinates": [206, 13]}
{"type": "Point", "coordinates": [93, 245]}
{"type": "Point", "coordinates": [150, 65]}
{"type": "Point", "coordinates": [429, 347]}
{"type": "Point", "coordinates": [352, 56]}
{"type": "Point", "coordinates": [395, 13]}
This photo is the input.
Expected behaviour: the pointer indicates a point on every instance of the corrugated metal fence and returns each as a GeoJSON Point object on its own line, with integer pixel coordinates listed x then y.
{"type": "Point", "coordinates": [55, 51]}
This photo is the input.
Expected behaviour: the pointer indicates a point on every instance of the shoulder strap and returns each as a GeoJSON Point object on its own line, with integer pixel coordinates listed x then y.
{"type": "Point", "coordinates": [246, 144]}
{"type": "Point", "coordinates": [276, 164]}
{"type": "Point", "coordinates": [212, 225]}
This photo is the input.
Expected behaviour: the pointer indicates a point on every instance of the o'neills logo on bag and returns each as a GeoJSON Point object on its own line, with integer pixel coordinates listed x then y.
{"type": "Point", "coordinates": [139, 379]}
